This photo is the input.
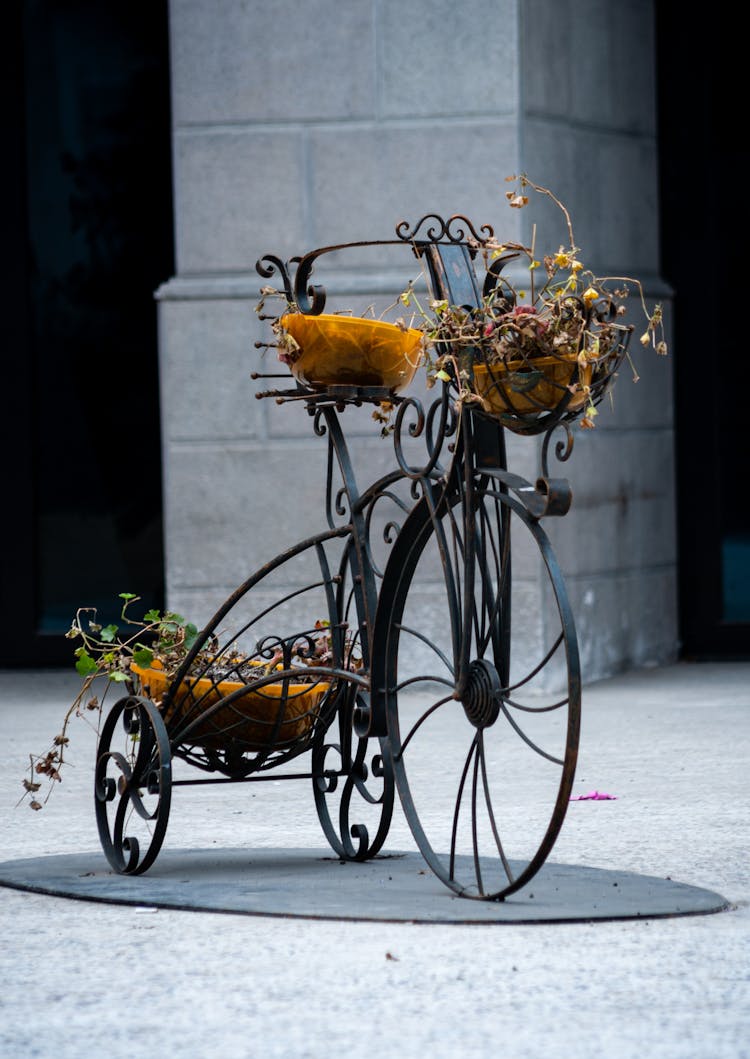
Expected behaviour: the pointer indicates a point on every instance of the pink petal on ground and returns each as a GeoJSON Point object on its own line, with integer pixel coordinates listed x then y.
{"type": "Point", "coordinates": [595, 796]}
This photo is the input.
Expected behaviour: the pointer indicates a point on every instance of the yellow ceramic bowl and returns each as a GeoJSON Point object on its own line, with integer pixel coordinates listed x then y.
{"type": "Point", "coordinates": [351, 351]}
{"type": "Point", "coordinates": [505, 390]}
{"type": "Point", "coordinates": [250, 718]}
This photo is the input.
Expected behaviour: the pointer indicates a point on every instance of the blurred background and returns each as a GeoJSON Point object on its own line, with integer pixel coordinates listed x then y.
{"type": "Point", "coordinates": [154, 150]}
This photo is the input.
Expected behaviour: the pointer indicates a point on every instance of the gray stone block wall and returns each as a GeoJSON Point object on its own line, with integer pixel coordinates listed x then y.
{"type": "Point", "coordinates": [589, 131]}
{"type": "Point", "coordinates": [296, 126]}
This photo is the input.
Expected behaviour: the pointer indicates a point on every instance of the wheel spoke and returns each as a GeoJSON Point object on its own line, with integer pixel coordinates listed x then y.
{"type": "Point", "coordinates": [428, 713]}
{"type": "Point", "coordinates": [457, 808]}
{"type": "Point", "coordinates": [558, 705]}
{"type": "Point", "coordinates": [491, 815]}
{"type": "Point", "coordinates": [538, 668]}
{"type": "Point", "coordinates": [417, 635]}
{"type": "Point", "coordinates": [529, 742]}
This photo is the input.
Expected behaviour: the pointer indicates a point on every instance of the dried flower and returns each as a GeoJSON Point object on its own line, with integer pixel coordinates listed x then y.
{"type": "Point", "coordinates": [574, 317]}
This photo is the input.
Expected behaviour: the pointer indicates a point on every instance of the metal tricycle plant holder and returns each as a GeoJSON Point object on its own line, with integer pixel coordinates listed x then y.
{"type": "Point", "coordinates": [392, 650]}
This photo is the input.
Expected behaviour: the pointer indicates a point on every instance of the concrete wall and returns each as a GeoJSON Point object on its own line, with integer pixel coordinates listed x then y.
{"type": "Point", "coordinates": [297, 126]}
{"type": "Point", "coordinates": [589, 130]}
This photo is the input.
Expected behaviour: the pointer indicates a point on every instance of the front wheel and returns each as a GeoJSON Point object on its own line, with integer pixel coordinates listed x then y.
{"type": "Point", "coordinates": [481, 683]}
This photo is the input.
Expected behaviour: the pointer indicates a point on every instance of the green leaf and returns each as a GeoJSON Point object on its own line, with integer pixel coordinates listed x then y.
{"type": "Point", "coordinates": [128, 595]}
{"type": "Point", "coordinates": [108, 633]}
{"type": "Point", "coordinates": [118, 676]}
{"type": "Point", "coordinates": [143, 656]}
{"type": "Point", "coordinates": [85, 663]}
{"type": "Point", "coordinates": [191, 635]}
{"type": "Point", "coordinates": [152, 615]}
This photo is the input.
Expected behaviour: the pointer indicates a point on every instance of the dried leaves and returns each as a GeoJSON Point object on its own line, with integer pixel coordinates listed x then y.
{"type": "Point", "coordinates": [572, 316]}
{"type": "Point", "coordinates": [106, 653]}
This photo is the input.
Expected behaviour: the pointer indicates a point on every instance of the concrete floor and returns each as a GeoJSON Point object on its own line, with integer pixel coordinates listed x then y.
{"type": "Point", "coordinates": [671, 744]}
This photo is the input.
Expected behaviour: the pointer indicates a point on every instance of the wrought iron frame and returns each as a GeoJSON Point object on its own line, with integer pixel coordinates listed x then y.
{"type": "Point", "coordinates": [462, 482]}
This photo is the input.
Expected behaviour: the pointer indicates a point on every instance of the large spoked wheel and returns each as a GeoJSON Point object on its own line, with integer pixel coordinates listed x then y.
{"type": "Point", "coordinates": [133, 785]}
{"type": "Point", "coordinates": [481, 681]}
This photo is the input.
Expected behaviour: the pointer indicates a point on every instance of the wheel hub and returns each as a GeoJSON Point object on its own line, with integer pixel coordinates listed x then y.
{"type": "Point", "coordinates": [481, 699]}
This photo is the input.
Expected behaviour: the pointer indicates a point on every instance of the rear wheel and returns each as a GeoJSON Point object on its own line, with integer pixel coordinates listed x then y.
{"type": "Point", "coordinates": [133, 787]}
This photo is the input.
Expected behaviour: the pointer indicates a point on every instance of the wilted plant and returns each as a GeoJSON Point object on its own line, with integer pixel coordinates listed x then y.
{"type": "Point", "coordinates": [555, 339]}
{"type": "Point", "coordinates": [115, 656]}
{"type": "Point", "coordinates": [103, 659]}
{"type": "Point", "coordinates": [565, 316]}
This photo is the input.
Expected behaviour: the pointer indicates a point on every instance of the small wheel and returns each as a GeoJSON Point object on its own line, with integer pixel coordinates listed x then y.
{"type": "Point", "coordinates": [133, 786]}
{"type": "Point", "coordinates": [482, 723]}
{"type": "Point", "coordinates": [353, 785]}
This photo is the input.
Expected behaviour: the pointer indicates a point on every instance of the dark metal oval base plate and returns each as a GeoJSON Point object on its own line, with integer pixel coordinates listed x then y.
{"type": "Point", "coordinates": [395, 887]}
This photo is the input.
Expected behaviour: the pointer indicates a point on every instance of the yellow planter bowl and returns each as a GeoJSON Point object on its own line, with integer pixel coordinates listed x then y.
{"type": "Point", "coordinates": [250, 718]}
{"type": "Point", "coordinates": [352, 351]}
{"type": "Point", "coordinates": [509, 387]}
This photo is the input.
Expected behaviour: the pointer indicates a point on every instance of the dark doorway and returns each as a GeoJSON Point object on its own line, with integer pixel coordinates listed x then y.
{"type": "Point", "coordinates": [705, 158]}
{"type": "Point", "coordinates": [88, 191]}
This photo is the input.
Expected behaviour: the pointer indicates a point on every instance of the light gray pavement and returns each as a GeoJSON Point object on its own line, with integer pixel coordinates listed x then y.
{"type": "Point", "coordinates": [671, 744]}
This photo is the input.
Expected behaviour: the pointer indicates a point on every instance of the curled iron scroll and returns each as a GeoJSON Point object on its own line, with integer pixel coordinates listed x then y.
{"type": "Point", "coordinates": [267, 265]}
{"type": "Point", "coordinates": [310, 297]}
{"type": "Point", "coordinates": [440, 423]}
{"type": "Point", "coordinates": [555, 496]}
{"type": "Point", "coordinates": [453, 229]}
{"type": "Point", "coordinates": [563, 446]}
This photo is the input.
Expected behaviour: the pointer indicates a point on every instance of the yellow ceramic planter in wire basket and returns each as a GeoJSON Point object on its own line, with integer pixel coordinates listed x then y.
{"type": "Point", "coordinates": [525, 387]}
{"type": "Point", "coordinates": [528, 394]}
{"type": "Point", "coordinates": [352, 351]}
{"type": "Point", "coordinates": [274, 716]}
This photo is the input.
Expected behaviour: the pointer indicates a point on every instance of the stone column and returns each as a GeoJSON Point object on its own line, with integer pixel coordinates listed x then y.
{"type": "Point", "coordinates": [297, 126]}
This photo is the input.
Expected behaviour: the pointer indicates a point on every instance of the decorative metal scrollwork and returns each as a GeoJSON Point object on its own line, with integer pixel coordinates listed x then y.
{"type": "Point", "coordinates": [436, 425]}
{"type": "Point", "coordinates": [453, 229]}
{"type": "Point", "coordinates": [563, 446]}
{"type": "Point", "coordinates": [270, 264]}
